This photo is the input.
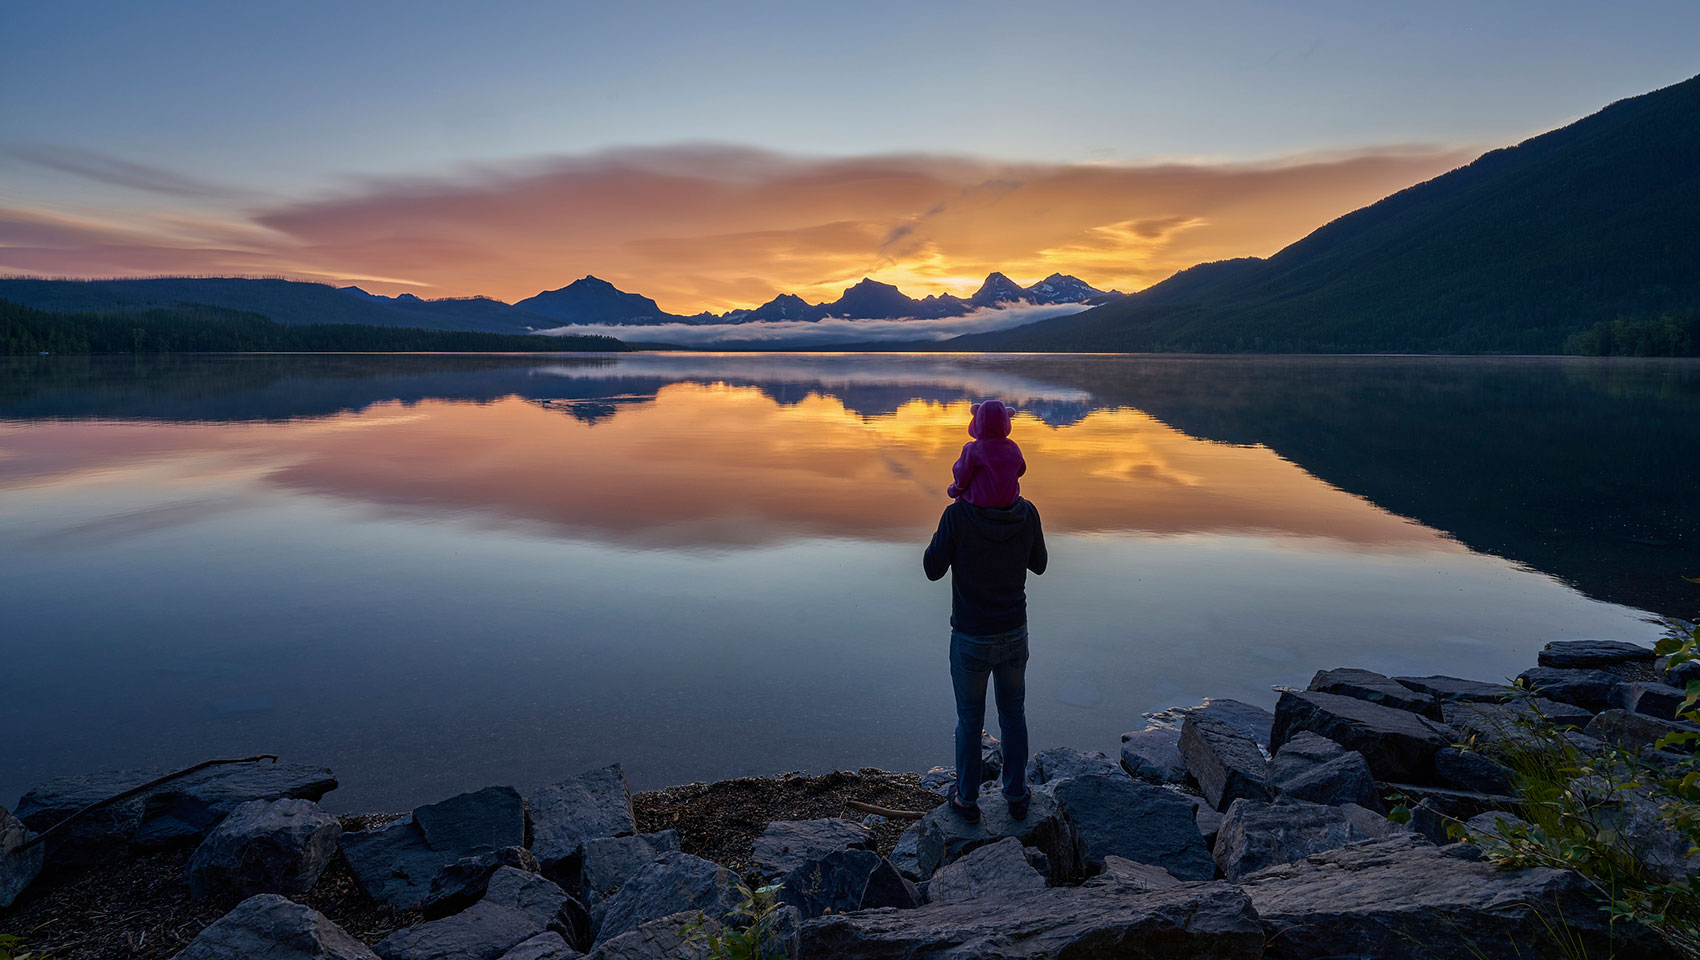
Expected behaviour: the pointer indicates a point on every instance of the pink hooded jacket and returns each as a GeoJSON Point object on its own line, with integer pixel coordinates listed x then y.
{"type": "Point", "coordinates": [985, 474]}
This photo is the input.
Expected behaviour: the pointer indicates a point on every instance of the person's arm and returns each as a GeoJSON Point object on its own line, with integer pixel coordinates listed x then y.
{"type": "Point", "coordinates": [1037, 558]}
{"type": "Point", "coordinates": [961, 472]}
{"type": "Point", "coordinates": [942, 551]}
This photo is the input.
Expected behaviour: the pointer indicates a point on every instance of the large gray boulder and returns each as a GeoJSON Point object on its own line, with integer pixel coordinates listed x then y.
{"type": "Point", "coordinates": [846, 880]}
{"type": "Point", "coordinates": [399, 863]}
{"type": "Point", "coordinates": [265, 846]}
{"type": "Point", "coordinates": [665, 939]}
{"type": "Point", "coordinates": [1492, 722]}
{"type": "Point", "coordinates": [1470, 770]}
{"type": "Point", "coordinates": [1000, 870]}
{"type": "Point", "coordinates": [1449, 689]}
{"type": "Point", "coordinates": [1225, 762]}
{"type": "Point", "coordinates": [1142, 822]}
{"type": "Point", "coordinates": [1653, 699]}
{"type": "Point", "coordinates": [608, 861]}
{"type": "Point", "coordinates": [1593, 654]}
{"type": "Point", "coordinates": [1314, 768]}
{"type": "Point", "coordinates": [269, 927]}
{"type": "Point", "coordinates": [1154, 754]}
{"type": "Point", "coordinates": [464, 882]}
{"type": "Point", "coordinates": [1375, 688]}
{"type": "Point", "coordinates": [1049, 767]}
{"type": "Point", "coordinates": [1195, 921]}
{"type": "Point", "coordinates": [1257, 835]}
{"type": "Point", "coordinates": [667, 885]}
{"type": "Point", "coordinates": [516, 907]}
{"type": "Point", "coordinates": [1398, 744]}
{"type": "Point", "coordinates": [176, 813]}
{"type": "Point", "coordinates": [788, 844]}
{"type": "Point", "coordinates": [596, 803]}
{"type": "Point", "coordinates": [1119, 872]}
{"type": "Point", "coordinates": [1588, 689]}
{"type": "Point", "coordinates": [487, 819]}
{"type": "Point", "coordinates": [1632, 731]}
{"type": "Point", "coordinates": [941, 837]}
{"type": "Point", "coordinates": [1402, 899]}
{"type": "Point", "coordinates": [18, 867]}
{"type": "Point", "coordinates": [547, 945]}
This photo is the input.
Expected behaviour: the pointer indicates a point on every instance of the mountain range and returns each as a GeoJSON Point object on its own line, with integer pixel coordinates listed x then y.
{"type": "Point", "coordinates": [1517, 252]}
{"type": "Point", "coordinates": [592, 300]}
{"type": "Point", "coordinates": [586, 301]}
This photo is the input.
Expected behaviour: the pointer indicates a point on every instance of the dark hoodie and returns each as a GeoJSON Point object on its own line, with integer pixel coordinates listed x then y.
{"type": "Point", "coordinates": [989, 552]}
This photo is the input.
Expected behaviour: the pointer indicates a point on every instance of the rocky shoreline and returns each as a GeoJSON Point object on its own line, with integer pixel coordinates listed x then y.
{"type": "Point", "coordinates": [1223, 830]}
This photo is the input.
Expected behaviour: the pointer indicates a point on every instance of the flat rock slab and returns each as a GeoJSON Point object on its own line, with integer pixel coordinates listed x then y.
{"type": "Point", "coordinates": [788, 844]}
{"type": "Point", "coordinates": [178, 812]}
{"type": "Point", "coordinates": [1154, 754]}
{"type": "Point", "coordinates": [1251, 719]}
{"type": "Point", "coordinates": [1451, 689]}
{"type": "Point", "coordinates": [667, 885]}
{"type": "Point", "coordinates": [1191, 921]}
{"type": "Point", "coordinates": [941, 837]}
{"type": "Point", "coordinates": [1588, 689]}
{"type": "Point", "coordinates": [517, 907]}
{"type": "Point", "coordinates": [17, 869]}
{"type": "Point", "coordinates": [1142, 822]}
{"type": "Point", "coordinates": [1059, 763]}
{"type": "Point", "coordinates": [271, 927]}
{"type": "Point", "coordinates": [265, 846]}
{"type": "Point", "coordinates": [596, 803]}
{"type": "Point", "coordinates": [1398, 744]}
{"type": "Point", "coordinates": [1119, 872]}
{"type": "Point", "coordinates": [1402, 899]}
{"type": "Point", "coordinates": [1584, 654]}
{"type": "Point", "coordinates": [1227, 764]}
{"type": "Point", "coordinates": [1257, 835]}
{"type": "Point", "coordinates": [846, 880]}
{"type": "Point", "coordinates": [1373, 687]}
{"type": "Point", "coordinates": [608, 861]}
{"type": "Point", "coordinates": [998, 870]}
{"type": "Point", "coordinates": [662, 939]}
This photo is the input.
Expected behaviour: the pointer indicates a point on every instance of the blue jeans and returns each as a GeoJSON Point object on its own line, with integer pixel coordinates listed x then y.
{"type": "Point", "coordinates": [1003, 660]}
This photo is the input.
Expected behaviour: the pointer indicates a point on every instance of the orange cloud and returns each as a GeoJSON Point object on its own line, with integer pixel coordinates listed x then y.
{"type": "Point", "coordinates": [706, 227]}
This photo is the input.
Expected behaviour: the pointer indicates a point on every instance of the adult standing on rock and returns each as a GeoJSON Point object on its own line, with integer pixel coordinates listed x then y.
{"type": "Point", "coordinates": [988, 538]}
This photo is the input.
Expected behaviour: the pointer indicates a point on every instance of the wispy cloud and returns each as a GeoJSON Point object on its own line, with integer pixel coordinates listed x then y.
{"type": "Point", "coordinates": [717, 227]}
{"type": "Point", "coordinates": [93, 165]}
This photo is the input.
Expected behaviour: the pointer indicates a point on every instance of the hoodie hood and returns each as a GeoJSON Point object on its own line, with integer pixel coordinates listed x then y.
{"type": "Point", "coordinates": [991, 420]}
{"type": "Point", "coordinates": [998, 523]}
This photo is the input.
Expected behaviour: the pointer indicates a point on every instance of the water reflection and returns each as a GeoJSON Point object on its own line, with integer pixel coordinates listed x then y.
{"type": "Point", "coordinates": [436, 573]}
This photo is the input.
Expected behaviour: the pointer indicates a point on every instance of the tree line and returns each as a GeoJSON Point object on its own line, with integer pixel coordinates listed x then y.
{"type": "Point", "coordinates": [196, 328]}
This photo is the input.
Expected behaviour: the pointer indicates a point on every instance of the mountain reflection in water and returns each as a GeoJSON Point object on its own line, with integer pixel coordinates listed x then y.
{"type": "Point", "coordinates": [655, 541]}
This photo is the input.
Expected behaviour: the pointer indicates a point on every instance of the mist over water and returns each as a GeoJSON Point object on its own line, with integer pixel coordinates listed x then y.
{"type": "Point", "coordinates": [439, 573]}
{"type": "Point", "coordinates": [832, 331]}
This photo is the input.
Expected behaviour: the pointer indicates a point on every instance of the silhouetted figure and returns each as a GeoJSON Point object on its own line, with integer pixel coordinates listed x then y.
{"type": "Point", "coordinates": [988, 550]}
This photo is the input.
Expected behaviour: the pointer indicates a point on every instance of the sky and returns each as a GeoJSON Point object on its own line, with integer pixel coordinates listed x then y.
{"type": "Point", "coordinates": [714, 155]}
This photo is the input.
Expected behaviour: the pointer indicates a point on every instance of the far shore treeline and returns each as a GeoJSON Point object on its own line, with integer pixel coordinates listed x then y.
{"type": "Point", "coordinates": [196, 328]}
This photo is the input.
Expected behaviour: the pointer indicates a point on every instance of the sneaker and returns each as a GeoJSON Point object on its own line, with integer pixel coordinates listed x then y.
{"type": "Point", "coordinates": [1018, 808]}
{"type": "Point", "coordinates": [968, 812]}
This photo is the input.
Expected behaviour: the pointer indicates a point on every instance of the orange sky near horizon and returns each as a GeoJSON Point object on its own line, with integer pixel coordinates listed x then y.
{"type": "Point", "coordinates": [718, 228]}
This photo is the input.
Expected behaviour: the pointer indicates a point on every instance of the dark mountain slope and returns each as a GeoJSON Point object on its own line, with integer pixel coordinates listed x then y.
{"type": "Point", "coordinates": [594, 300]}
{"type": "Point", "coordinates": [1511, 253]}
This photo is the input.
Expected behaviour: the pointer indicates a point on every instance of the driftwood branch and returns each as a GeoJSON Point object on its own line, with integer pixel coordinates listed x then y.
{"type": "Point", "coordinates": [884, 811]}
{"type": "Point", "coordinates": [43, 835]}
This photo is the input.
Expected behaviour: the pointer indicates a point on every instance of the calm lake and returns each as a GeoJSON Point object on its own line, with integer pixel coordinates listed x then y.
{"type": "Point", "coordinates": [437, 573]}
